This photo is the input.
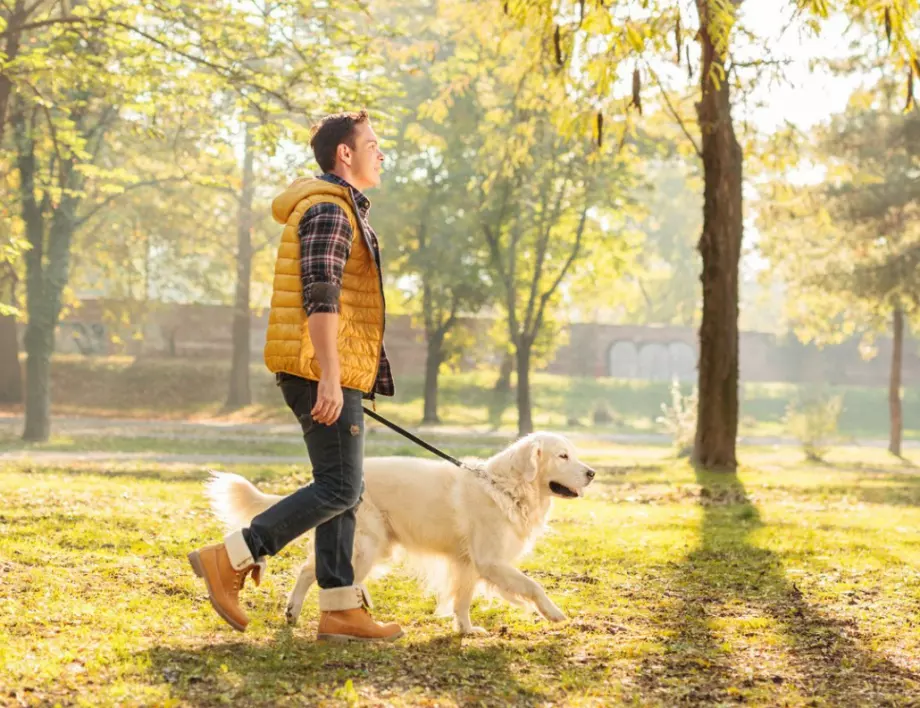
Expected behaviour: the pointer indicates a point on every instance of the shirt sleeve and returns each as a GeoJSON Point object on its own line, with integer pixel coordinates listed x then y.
{"type": "Point", "coordinates": [325, 241]}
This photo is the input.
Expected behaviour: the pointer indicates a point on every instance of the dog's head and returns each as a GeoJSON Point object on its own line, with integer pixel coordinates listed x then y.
{"type": "Point", "coordinates": [550, 461]}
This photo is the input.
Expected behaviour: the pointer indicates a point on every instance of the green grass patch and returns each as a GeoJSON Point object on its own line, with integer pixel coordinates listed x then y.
{"type": "Point", "coordinates": [787, 584]}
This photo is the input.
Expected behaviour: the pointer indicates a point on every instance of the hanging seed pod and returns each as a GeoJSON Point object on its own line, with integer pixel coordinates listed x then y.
{"type": "Point", "coordinates": [581, 16]}
{"type": "Point", "coordinates": [557, 44]}
{"type": "Point", "coordinates": [505, 8]}
{"type": "Point", "coordinates": [600, 128]}
{"type": "Point", "coordinates": [888, 24]}
{"type": "Point", "coordinates": [910, 89]}
{"type": "Point", "coordinates": [637, 90]}
{"type": "Point", "coordinates": [689, 63]}
{"type": "Point", "coordinates": [677, 38]}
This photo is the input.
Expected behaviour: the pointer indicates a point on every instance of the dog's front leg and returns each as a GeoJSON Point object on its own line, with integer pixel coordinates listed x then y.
{"type": "Point", "coordinates": [514, 582]}
{"type": "Point", "coordinates": [295, 600]}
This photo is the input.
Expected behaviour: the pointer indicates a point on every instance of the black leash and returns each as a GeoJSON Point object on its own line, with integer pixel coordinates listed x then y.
{"type": "Point", "coordinates": [418, 441]}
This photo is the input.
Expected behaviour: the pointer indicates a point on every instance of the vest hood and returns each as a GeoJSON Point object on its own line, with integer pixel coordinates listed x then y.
{"type": "Point", "coordinates": [285, 203]}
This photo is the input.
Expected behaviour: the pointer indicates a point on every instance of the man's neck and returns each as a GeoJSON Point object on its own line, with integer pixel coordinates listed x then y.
{"type": "Point", "coordinates": [345, 175]}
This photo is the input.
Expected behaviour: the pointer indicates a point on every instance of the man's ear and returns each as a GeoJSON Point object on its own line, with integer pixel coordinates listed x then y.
{"type": "Point", "coordinates": [343, 153]}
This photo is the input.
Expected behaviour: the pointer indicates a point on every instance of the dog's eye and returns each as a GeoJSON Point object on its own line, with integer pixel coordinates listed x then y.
{"type": "Point", "coordinates": [564, 455]}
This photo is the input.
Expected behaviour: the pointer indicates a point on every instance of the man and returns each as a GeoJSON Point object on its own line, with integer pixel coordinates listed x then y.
{"type": "Point", "coordinates": [325, 346]}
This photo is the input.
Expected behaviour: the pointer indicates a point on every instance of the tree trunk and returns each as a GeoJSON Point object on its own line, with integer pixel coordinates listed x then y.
{"type": "Point", "coordinates": [894, 390]}
{"type": "Point", "coordinates": [39, 343]}
{"type": "Point", "coordinates": [720, 247]}
{"type": "Point", "coordinates": [433, 360]}
{"type": "Point", "coordinates": [525, 414]}
{"type": "Point", "coordinates": [17, 17]}
{"type": "Point", "coordinates": [47, 272]}
{"type": "Point", "coordinates": [239, 394]}
{"type": "Point", "coordinates": [10, 371]}
{"type": "Point", "coordinates": [503, 382]}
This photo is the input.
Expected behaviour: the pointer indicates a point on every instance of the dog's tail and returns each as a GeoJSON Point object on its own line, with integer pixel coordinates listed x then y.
{"type": "Point", "coordinates": [235, 500]}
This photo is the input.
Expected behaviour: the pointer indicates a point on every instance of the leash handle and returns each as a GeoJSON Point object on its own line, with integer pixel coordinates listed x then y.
{"type": "Point", "coordinates": [418, 441]}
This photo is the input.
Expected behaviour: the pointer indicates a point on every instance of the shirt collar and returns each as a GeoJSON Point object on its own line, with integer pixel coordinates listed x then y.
{"type": "Point", "coordinates": [364, 204]}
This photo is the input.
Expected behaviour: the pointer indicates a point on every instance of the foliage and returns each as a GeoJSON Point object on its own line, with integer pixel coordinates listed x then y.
{"type": "Point", "coordinates": [849, 247]}
{"type": "Point", "coordinates": [813, 419]}
{"type": "Point", "coordinates": [679, 418]}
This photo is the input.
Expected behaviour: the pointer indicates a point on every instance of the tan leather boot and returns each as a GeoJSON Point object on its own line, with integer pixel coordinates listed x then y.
{"type": "Point", "coordinates": [344, 617]}
{"type": "Point", "coordinates": [224, 567]}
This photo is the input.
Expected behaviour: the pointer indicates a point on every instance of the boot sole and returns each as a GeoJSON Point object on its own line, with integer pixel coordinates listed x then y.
{"type": "Point", "coordinates": [195, 561]}
{"type": "Point", "coordinates": [346, 638]}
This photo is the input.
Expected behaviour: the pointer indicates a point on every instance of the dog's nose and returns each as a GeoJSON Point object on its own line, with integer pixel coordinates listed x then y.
{"type": "Point", "coordinates": [590, 473]}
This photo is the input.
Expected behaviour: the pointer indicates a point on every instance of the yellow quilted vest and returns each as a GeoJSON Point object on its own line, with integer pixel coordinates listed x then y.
{"type": "Point", "coordinates": [361, 306]}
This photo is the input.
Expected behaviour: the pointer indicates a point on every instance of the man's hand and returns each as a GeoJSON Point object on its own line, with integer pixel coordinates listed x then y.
{"type": "Point", "coordinates": [329, 399]}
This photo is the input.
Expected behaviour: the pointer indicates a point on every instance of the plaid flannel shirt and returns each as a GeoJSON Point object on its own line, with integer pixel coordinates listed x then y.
{"type": "Point", "coordinates": [325, 242]}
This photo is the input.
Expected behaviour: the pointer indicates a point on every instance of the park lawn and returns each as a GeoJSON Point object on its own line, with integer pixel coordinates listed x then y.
{"type": "Point", "coordinates": [178, 389]}
{"type": "Point", "coordinates": [220, 445]}
{"type": "Point", "coordinates": [786, 584]}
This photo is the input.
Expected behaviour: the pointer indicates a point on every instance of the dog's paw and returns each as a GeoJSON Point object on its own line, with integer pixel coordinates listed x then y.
{"type": "Point", "coordinates": [291, 615]}
{"type": "Point", "coordinates": [474, 632]}
{"type": "Point", "coordinates": [553, 614]}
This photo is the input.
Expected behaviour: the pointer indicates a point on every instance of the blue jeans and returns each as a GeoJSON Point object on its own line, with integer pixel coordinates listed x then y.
{"type": "Point", "coordinates": [330, 503]}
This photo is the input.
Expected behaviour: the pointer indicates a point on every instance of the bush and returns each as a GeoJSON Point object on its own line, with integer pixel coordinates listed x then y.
{"type": "Point", "coordinates": [813, 421]}
{"type": "Point", "coordinates": [679, 419]}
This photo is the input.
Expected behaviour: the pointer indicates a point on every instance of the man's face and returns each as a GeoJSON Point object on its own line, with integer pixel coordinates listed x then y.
{"type": "Point", "coordinates": [366, 160]}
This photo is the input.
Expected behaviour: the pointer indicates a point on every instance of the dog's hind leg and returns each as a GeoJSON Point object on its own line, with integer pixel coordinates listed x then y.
{"type": "Point", "coordinates": [295, 600]}
{"type": "Point", "coordinates": [463, 585]}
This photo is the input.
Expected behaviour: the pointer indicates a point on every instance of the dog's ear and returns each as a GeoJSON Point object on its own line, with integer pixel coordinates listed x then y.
{"type": "Point", "coordinates": [533, 456]}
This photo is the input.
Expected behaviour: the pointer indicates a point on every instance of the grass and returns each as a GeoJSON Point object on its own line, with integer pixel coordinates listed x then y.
{"type": "Point", "coordinates": [178, 389]}
{"type": "Point", "coordinates": [786, 584]}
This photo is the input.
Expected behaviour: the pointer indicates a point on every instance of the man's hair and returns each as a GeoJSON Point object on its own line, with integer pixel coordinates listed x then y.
{"type": "Point", "coordinates": [331, 132]}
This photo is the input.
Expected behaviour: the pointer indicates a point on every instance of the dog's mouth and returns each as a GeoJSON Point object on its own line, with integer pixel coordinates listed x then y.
{"type": "Point", "coordinates": [560, 490]}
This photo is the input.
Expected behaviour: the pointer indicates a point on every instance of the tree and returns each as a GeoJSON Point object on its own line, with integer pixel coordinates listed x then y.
{"type": "Point", "coordinates": [539, 188]}
{"type": "Point", "coordinates": [92, 67]}
{"type": "Point", "coordinates": [427, 206]}
{"type": "Point", "coordinates": [849, 247]}
{"type": "Point", "coordinates": [599, 39]}
{"type": "Point", "coordinates": [663, 288]}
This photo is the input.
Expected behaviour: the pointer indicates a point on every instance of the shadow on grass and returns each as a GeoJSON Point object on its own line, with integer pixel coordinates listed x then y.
{"type": "Point", "coordinates": [729, 577]}
{"type": "Point", "coordinates": [294, 670]}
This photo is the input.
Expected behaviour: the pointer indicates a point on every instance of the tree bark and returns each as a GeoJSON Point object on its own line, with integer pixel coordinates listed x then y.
{"type": "Point", "coordinates": [503, 382]}
{"type": "Point", "coordinates": [17, 17]}
{"type": "Point", "coordinates": [10, 371]}
{"type": "Point", "coordinates": [525, 413]}
{"type": "Point", "coordinates": [239, 393]}
{"type": "Point", "coordinates": [894, 389]}
{"type": "Point", "coordinates": [434, 356]}
{"type": "Point", "coordinates": [720, 247]}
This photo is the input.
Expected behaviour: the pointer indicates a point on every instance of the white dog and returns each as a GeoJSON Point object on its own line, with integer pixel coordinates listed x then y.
{"type": "Point", "coordinates": [476, 520]}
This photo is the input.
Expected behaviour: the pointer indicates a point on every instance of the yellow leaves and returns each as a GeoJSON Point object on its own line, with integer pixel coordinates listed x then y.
{"type": "Point", "coordinates": [634, 37]}
{"type": "Point", "coordinates": [597, 22]}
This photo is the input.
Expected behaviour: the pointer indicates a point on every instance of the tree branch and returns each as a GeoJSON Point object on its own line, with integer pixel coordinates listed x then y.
{"type": "Point", "coordinates": [538, 322]}
{"type": "Point", "coordinates": [674, 113]}
{"type": "Point", "coordinates": [114, 197]}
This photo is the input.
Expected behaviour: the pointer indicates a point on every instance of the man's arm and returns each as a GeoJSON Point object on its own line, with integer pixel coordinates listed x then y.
{"type": "Point", "coordinates": [325, 242]}
{"type": "Point", "coordinates": [324, 331]}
